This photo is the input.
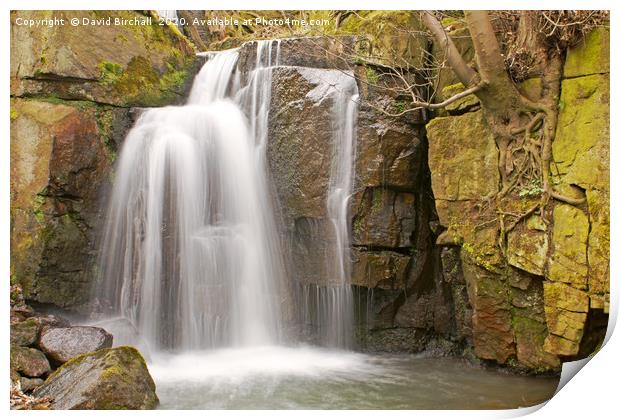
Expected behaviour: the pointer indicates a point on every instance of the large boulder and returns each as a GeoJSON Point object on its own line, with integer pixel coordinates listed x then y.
{"type": "Point", "coordinates": [63, 344]}
{"type": "Point", "coordinates": [109, 379]}
{"type": "Point", "coordinates": [29, 362]}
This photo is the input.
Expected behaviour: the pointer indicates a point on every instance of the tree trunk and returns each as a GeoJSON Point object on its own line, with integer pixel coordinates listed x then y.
{"type": "Point", "coordinates": [500, 95]}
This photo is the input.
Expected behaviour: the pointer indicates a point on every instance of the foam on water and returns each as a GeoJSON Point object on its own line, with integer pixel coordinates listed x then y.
{"type": "Point", "coordinates": [240, 364]}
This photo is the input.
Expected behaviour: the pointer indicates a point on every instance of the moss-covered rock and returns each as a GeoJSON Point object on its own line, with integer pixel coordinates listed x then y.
{"type": "Point", "coordinates": [459, 106]}
{"type": "Point", "coordinates": [463, 161]}
{"type": "Point", "coordinates": [382, 269]}
{"type": "Point", "coordinates": [29, 362]}
{"type": "Point", "coordinates": [493, 332]}
{"type": "Point", "coordinates": [563, 296]}
{"type": "Point", "coordinates": [141, 65]}
{"type": "Point", "coordinates": [61, 161]}
{"type": "Point", "coordinates": [530, 335]}
{"type": "Point", "coordinates": [598, 242]}
{"type": "Point", "coordinates": [568, 262]}
{"type": "Point", "coordinates": [566, 311]}
{"type": "Point", "coordinates": [570, 249]}
{"type": "Point", "coordinates": [384, 36]}
{"type": "Point", "coordinates": [462, 158]}
{"type": "Point", "coordinates": [590, 56]}
{"type": "Point", "coordinates": [389, 36]}
{"type": "Point", "coordinates": [581, 146]}
{"type": "Point", "coordinates": [109, 379]}
{"type": "Point", "coordinates": [581, 156]}
{"type": "Point", "coordinates": [508, 320]}
{"type": "Point", "coordinates": [25, 333]}
{"type": "Point", "coordinates": [528, 245]}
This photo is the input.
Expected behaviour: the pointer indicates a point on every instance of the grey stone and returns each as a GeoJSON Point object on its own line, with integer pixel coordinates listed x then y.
{"type": "Point", "coordinates": [63, 344]}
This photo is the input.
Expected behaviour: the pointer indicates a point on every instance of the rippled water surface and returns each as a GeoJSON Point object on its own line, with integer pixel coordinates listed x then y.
{"type": "Point", "coordinates": [311, 378]}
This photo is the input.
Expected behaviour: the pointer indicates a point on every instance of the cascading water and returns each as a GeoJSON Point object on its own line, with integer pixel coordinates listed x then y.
{"type": "Point", "coordinates": [168, 15]}
{"type": "Point", "coordinates": [330, 308]}
{"type": "Point", "coordinates": [340, 304]}
{"type": "Point", "coordinates": [190, 252]}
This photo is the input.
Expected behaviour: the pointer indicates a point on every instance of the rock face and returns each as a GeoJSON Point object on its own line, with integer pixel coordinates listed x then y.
{"type": "Point", "coordinates": [123, 65]}
{"type": "Point", "coordinates": [109, 379]}
{"type": "Point", "coordinates": [62, 344]}
{"type": "Point", "coordinates": [545, 299]}
{"type": "Point", "coordinates": [60, 164]}
{"type": "Point", "coordinates": [390, 212]}
{"type": "Point", "coordinates": [307, 52]}
{"type": "Point", "coordinates": [71, 89]}
{"type": "Point", "coordinates": [381, 42]}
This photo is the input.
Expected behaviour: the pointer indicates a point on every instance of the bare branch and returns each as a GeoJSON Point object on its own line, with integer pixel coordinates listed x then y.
{"type": "Point", "coordinates": [452, 99]}
{"type": "Point", "coordinates": [417, 105]}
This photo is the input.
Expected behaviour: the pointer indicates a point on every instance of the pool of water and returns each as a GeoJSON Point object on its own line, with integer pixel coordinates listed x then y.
{"type": "Point", "coordinates": [313, 378]}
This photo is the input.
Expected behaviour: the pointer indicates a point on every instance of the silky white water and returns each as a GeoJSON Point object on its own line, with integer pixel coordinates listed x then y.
{"type": "Point", "coordinates": [191, 255]}
{"type": "Point", "coordinates": [330, 308]}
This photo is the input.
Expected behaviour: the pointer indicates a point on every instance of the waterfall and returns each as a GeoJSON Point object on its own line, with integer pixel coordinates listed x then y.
{"type": "Point", "coordinates": [339, 299]}
{"type": "Point", "coordinates": [330, 308]}
{"type": "Point", "coordinates": [190, 254]}
{"type": "Point", "coordinates": [168, 15]}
